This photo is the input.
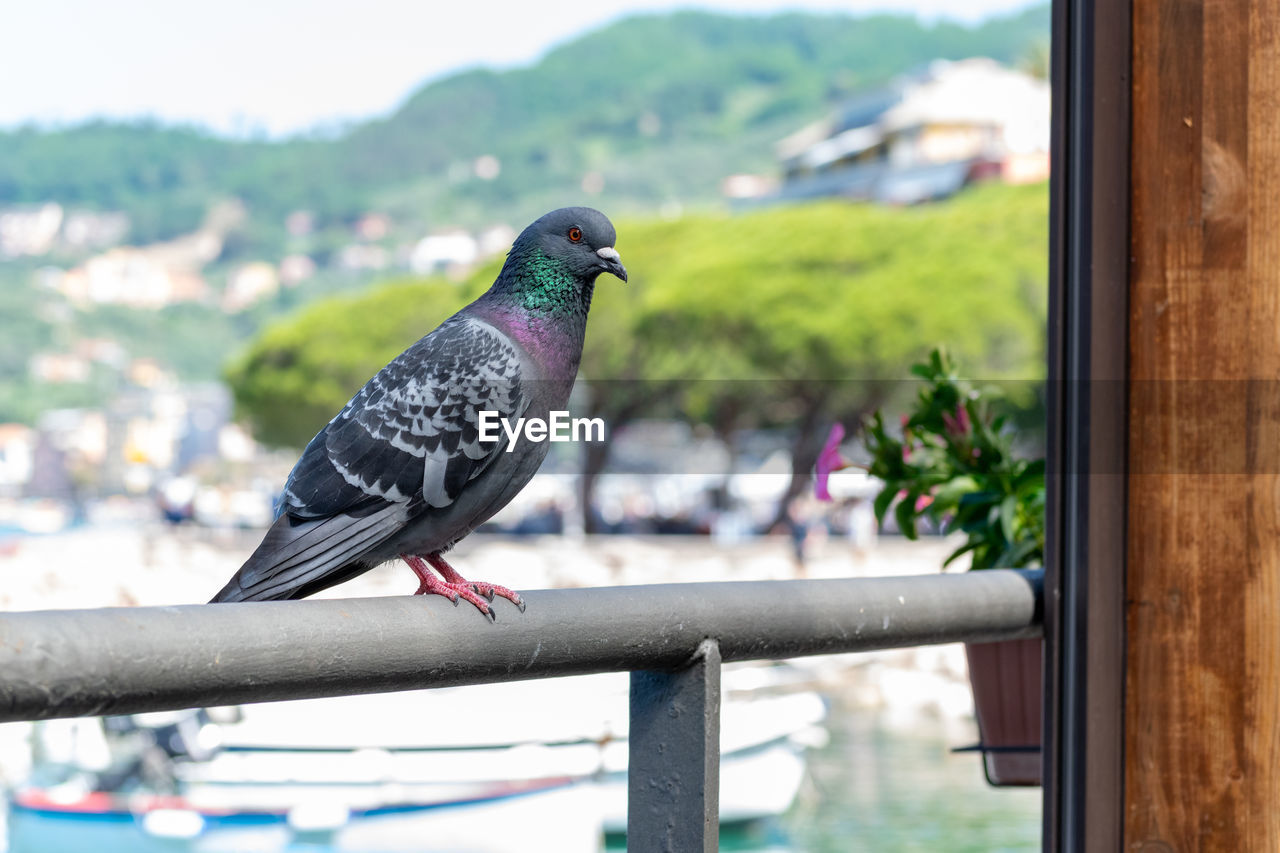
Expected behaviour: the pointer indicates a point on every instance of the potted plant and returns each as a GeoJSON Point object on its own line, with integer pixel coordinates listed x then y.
{"type": "Point", "coordinates": [953, 464]}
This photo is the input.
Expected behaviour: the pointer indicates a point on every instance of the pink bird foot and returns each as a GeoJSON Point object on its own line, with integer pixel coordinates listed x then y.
{"type": "Point", "coordinates": [455, 586]}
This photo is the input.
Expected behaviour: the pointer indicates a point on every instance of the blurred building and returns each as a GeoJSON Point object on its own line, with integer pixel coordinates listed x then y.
{"type": "Point", "coordinates": [748, 186]}
{"type": "Point", "coordinates": [443, 251]}
{"type": "Point", "coordinates": [143, 434]}
{"type": "Point", "coordinates": [17, 455]}
{"type": "Point", "coordinates": [87, 229]}
{"type": "Point", "coordinates": [295, 269]}
{"type": "Point", "coordinates": [496, 239]}
{"type": "Point", "coordinates": [134, 277]}
{"type": "Point", "coordinates": [363, 256]}
{"type": "Point", "coordinates": [206, 431]}
{"type": "Point", "coordinates": [155, 275]}
{"type": "Point", "coordinates": [29, 231]}
{"type": "Point", "coordinates": [58, 368]}
{"type": "Point", "coordinates": [373, 227]}
{"type": "Point", "coordinates": [248, 284]}
{"type": "Point", "coordinates": [40, 229]}
{"type": "Point", "coordinates": [105, 351]}
{"type": "Point", "coordinates": [924, 137]}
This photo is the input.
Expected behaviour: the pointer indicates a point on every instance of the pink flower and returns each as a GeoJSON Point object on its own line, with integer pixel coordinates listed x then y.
{"type": "Point", "coordinates": [923, 501]}
{"type": "Point", "coordinates": [829, 460]}
{"type": "Point", "coordinates": [958, 425]}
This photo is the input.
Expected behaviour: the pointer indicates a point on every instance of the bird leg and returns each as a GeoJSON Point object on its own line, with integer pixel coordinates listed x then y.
{"type": "Point", "coordinates": [455, 586]}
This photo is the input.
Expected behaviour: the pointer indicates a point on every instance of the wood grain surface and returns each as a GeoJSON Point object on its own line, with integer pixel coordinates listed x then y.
{"type": "Point", "coordinates": [1202, 698]}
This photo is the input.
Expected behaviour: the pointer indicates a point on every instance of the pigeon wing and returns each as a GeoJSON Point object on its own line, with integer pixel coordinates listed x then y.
{"type": "Point", "coordinates": [406, 443]}
{"type": "Point", "coordinates": [411, 435]}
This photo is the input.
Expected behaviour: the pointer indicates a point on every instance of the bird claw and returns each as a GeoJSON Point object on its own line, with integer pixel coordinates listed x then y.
{"type": "Point", "coordinates": [471, 593]}
{"type": "Point", "coordinates": [455, 587]}
{"type": "Point", "coordinates": [493, 591]}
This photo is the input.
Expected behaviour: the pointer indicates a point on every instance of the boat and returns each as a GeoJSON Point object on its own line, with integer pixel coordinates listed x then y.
{"type": "Point", "coordinates": [481, 768]}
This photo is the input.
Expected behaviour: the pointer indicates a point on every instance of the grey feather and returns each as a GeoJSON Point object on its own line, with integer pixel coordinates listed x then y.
{"type": "Point", "coordinates": [396, 438]}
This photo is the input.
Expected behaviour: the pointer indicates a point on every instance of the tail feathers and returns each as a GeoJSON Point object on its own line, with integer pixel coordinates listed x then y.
{"type": "Point", "coordinates": [299, 557]}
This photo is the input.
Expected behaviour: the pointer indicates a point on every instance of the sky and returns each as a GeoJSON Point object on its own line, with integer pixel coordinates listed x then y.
{"type": "Point", "coordinates": [276, 67]}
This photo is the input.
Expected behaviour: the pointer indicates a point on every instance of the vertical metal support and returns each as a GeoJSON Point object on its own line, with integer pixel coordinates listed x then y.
{"type": "Point", "coordinates": [673, 783]}
{"type": "Point", "coordinates": [1085, 547]}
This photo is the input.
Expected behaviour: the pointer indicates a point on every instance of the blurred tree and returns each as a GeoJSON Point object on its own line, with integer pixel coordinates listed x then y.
{"type": "Point", "coordinates": [827, 304]}
{"type": "Point", "coordinates": [786, 317]}
{"type": "Point", "coordinates": [1035, 61]}
{"type": "Point", "coordinates": [625, 375]}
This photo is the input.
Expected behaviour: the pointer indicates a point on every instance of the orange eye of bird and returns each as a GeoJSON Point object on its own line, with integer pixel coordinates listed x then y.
{"type": "Point", "coordinates": [575, 234]}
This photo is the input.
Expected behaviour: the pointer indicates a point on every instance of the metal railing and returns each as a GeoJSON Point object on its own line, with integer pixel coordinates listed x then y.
{"type": "Point", "coordinates": [671, 637]}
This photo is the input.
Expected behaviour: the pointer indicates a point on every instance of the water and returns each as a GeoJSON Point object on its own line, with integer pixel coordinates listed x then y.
{"type": "Point", "coordinates": [872, 787]}
{"type": "Point", "coordinates": [875, 789]}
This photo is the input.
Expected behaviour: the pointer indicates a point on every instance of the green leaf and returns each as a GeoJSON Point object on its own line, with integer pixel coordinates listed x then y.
{"type": "Point", "coordinates": [905, 514]}
{"type": "Point", "coordinates": [1017, 556]}
{"type": "Point", "coordinates": [1030, 478]}
{"type": "Point", "coordinates": [954, 489]}
{"type": "Point", "coordinates": [882, 501]}
{"type": "Point", "coordinates": [968, 511]}
{"type": "Point", "coordinates": [982, 557]}
{"type": "Point", "coordinates": [982, 497]}
{"type": "Point", "coordinates": [1009, 517]}
{"type": "Point", "coordinates": [960, 552]}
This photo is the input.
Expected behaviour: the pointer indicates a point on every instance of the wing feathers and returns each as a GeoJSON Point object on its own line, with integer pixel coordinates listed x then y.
{"type": "Point", "coordinates": [397, 438]}
{"type": "Point", "coordinates": [295, 553]}
{"type": "Point", "coordinates": [406, 444]}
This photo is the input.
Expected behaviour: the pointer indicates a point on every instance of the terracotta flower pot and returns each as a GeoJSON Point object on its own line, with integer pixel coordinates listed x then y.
{"type": "Point", "coordinates": [1007, 696]}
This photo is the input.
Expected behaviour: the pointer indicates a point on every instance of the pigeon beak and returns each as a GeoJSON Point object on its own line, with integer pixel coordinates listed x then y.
{"type": "Point", "coordinates": [612, 262]}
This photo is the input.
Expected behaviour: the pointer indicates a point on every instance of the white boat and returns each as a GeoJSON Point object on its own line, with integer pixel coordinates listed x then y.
{"type": "Point", "coordinates": [488, 767]}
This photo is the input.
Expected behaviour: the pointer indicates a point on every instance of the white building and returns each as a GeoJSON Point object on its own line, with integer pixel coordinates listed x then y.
{"type": "Point", "coordinates": [443, 251]}
{"type": "Point", "coordinates": [86, 229]}
{"type": "Point", "coordinates": [29, 231]}
{"type": "Point", "coordinates": [134, 277]}
{"type": "Point", "coordinates": [250, 283]}
{"type": "Point", "coordinates": [925, 136]}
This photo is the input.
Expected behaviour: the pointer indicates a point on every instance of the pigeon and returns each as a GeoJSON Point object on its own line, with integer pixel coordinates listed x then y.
{"type": "Point", "coordinates": [405, 469]}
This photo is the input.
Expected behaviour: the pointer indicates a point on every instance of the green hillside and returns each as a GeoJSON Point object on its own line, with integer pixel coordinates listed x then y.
{"type": "Point", "coordinates": [662, 107]}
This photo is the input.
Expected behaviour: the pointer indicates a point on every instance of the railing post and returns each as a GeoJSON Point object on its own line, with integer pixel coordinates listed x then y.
{"type": "Point", "coordinates": [673, 784]}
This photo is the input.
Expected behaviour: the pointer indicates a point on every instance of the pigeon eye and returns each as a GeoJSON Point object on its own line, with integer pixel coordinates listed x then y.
{"type": "Point", "coordinates": [575, 234]}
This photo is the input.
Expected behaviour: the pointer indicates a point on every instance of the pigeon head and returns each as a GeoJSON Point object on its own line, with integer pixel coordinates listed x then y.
{"type": "Point", "coordinates": [572, 243]}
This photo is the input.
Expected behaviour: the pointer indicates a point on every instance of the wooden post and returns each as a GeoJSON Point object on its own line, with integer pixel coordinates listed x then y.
{"type": "Point", "coordinates": [1202, 694]}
